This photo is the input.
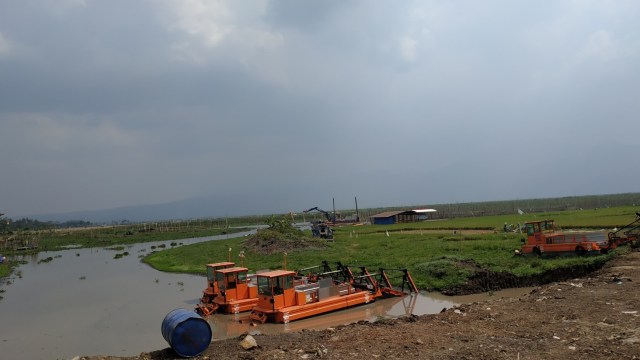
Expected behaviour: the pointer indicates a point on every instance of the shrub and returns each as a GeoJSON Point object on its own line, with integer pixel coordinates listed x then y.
{"type": "Point", "coordinates": [443, 273]}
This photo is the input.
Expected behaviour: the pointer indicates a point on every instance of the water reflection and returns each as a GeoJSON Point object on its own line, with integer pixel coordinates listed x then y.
{"type": "Point", "coordinates": [85, 302]}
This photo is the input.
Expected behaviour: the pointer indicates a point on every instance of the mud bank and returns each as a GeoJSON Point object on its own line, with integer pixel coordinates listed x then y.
{"type": "Point", "coordinates": [484, 280]}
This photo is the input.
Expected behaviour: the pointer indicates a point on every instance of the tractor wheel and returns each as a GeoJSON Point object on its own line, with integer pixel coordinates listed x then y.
{"type": "Point", "coordinates": [580, 251]}
{"type": "Point", "coordinates": [537, 252]}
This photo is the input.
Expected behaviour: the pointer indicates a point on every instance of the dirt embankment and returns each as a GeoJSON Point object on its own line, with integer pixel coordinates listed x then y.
{"type": "Point", "coordinates": [597, 317]}
{"type": "Point", "coordinates": [483, 280]}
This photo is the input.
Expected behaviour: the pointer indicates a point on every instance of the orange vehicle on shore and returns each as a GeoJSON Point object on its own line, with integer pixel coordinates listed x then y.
{"type": "Point", "coordinates": [544, 238]}
{"type": "Point", "coordinates": [284, 296]}
{"type": "Point", "coordinates": [234, 292]}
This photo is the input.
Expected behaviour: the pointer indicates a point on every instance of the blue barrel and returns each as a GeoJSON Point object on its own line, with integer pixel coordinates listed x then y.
{"type": "Point", "coordinates": [186, 332]}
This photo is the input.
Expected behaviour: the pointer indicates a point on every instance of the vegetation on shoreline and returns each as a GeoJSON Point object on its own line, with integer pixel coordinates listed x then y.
{"type": "Point", "coordinates": [4, 270]}
{"type": "Point", "coordinates": [438, 257]}
{"type": "Point", "coordinates": [437, 260]}
{"type": "Point", "coordinates": [113, 237]}
{"type": "Point", "coordinates": [481, 215]}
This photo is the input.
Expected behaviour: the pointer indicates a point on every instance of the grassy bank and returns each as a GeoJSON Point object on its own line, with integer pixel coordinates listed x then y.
{"type": "Point", "coordinates": [52, 240]}
{"type": "Point", "coordinates": [436, 260]}
{"type": "Point", "coordinates": [4, 270]}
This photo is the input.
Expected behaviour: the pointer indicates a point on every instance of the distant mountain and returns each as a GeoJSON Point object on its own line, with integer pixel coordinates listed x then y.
{"type": "Point", "coordinates": [282, 201]}
{"type": "Point", "coordinates": [201, 207]}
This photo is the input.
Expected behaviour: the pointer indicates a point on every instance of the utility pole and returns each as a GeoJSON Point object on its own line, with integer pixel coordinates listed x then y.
{"type": "Point", "coordinates": [334, 211]}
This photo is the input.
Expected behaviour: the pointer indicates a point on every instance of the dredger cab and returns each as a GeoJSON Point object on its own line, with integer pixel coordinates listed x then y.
{"type": "Point", "coordinates": [233, 291]}
{"type": "Point", "coordinates": [211, 290]}
{"type": "Point", "coordinates": [276, 289]}
{"type": "Point", "coordinates": [233, 285]}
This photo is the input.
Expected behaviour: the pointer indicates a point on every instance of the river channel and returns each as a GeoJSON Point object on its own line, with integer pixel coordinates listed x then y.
{"type": "Point", "coordinates": [86, 302]}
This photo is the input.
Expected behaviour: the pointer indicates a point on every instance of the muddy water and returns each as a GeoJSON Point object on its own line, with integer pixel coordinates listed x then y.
{"type": "Point", "coordinates": [226, 326]}
{"type": "Point", "coordinates": [85, 302]}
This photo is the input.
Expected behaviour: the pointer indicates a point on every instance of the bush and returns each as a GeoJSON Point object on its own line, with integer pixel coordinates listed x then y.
{"type": "Point", "coordinates": [443, 273]}
{"type": "Point", "coordinates": [283, 226]}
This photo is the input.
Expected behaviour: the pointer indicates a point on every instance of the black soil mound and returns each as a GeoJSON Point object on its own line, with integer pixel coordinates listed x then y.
{"type": "Point", "coordinates": [270, 242]}
{"type": "Point", "coordinates": [485, 280]}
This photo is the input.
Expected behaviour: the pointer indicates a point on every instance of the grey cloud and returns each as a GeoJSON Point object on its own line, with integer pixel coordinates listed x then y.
{"type": "Point", "coordinates": [151, 102]}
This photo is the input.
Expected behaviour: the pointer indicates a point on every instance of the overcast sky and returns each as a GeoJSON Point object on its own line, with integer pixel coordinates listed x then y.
{"type": "Point", "coordinates": [114, 103]}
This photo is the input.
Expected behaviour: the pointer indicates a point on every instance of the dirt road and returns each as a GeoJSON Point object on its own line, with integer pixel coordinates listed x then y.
{"type": "Point", "coordinates": [594, 317]}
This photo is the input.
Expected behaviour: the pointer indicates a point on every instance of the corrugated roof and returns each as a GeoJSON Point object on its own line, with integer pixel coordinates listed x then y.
{"type": "Point", "coordinates": [387, 214]}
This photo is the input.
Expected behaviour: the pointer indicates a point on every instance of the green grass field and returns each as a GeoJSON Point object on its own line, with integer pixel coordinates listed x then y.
{"type": "Point", "coordinates": [432, 258]}
{"type": "Point", "coordinates": [575, 219]}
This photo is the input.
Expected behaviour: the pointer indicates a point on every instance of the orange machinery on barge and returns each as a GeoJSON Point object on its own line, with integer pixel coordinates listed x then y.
{"type": "Point", "coordinates": [211, 291]}
{"type": "Point", "coordinates": [233, 292]}
{"type": "Point", "coordinates": [231, 289]}
{"type": "Point", "coordinates": [285, 296]}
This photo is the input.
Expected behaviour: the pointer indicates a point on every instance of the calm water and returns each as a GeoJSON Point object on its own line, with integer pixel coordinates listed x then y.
{"type": "Point", "coordinates": [85, 302]}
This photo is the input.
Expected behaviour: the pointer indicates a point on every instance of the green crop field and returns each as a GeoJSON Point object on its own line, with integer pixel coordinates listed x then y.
{"type": "Point", "coordinates": [433, 258]}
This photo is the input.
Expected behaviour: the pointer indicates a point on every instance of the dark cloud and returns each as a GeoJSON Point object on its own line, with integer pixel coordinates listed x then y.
{"type": "Point", "coordinates": [109, 104]}
{"type": "Point", "coordinates": [303, 14]}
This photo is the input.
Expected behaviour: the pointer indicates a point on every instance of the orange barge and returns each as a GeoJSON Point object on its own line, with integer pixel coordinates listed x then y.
{"type": "Point", "coordinates": [284, 296]}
